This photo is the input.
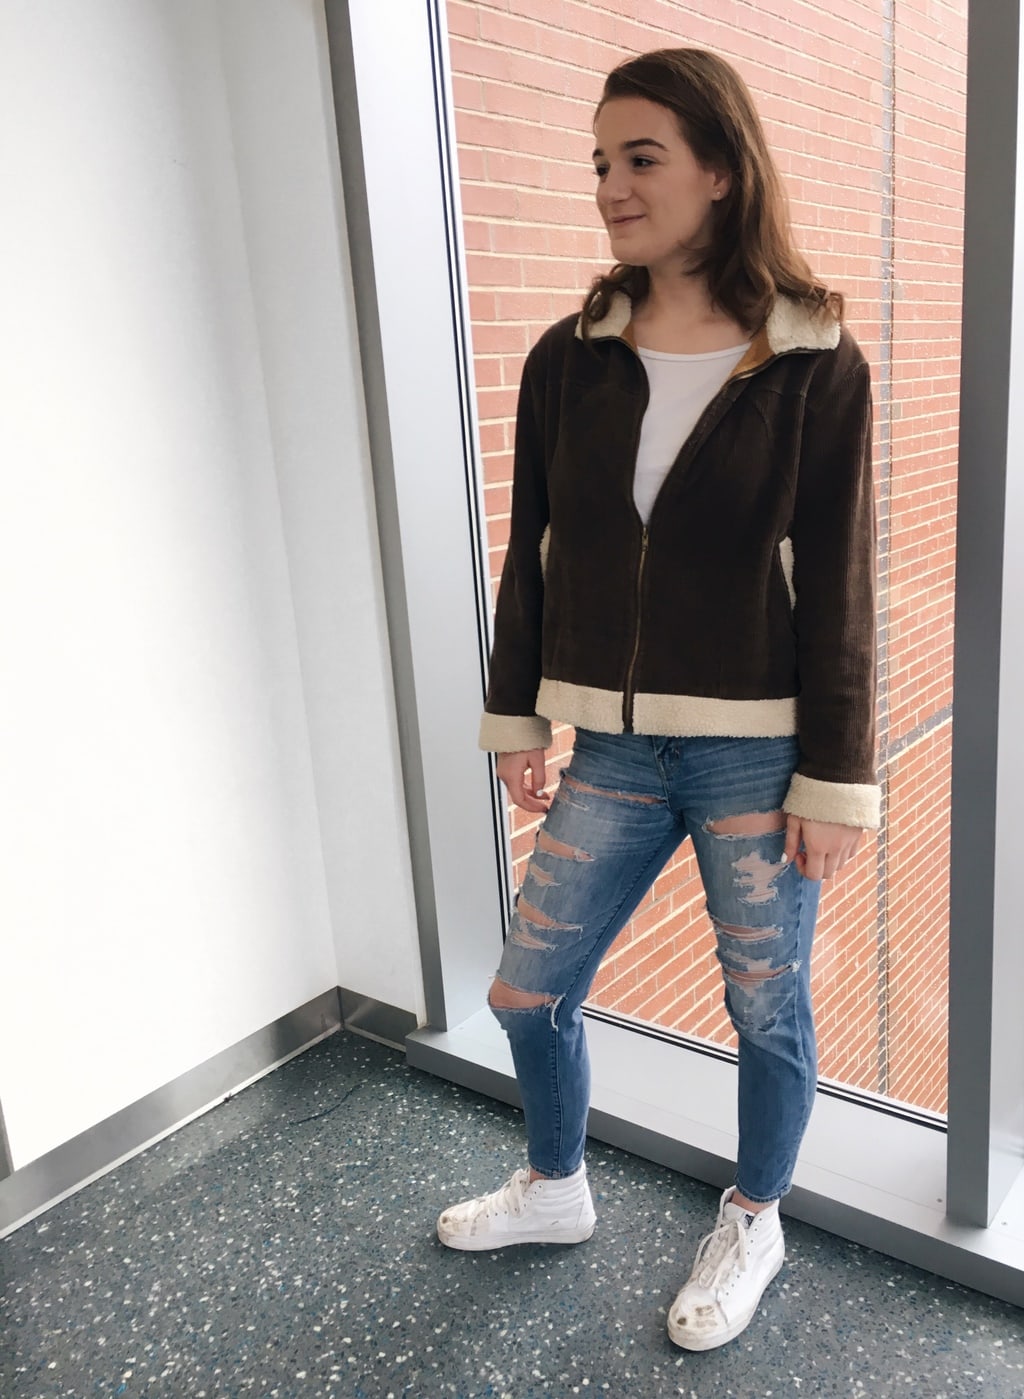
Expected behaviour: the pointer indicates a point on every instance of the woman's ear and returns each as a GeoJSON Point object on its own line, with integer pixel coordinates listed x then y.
{"type": "Point", "coordinates": [722, 185]}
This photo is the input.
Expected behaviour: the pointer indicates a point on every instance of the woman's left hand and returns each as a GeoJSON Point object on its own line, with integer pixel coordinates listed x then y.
{"type": "Point", "coordinates": [820, 849]}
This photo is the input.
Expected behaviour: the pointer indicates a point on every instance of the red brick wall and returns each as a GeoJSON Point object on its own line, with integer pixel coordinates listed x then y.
{"type": "Point", "coordinates": [867, 125]}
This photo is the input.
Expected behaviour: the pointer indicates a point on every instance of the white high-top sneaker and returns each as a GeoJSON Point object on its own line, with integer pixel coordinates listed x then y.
{"type": "Point", "coordinates": [734, 1265]}
{"type": "Point", "coordinates": [546, 1212]}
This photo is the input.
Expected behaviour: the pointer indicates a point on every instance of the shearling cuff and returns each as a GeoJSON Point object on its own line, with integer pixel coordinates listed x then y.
{"type": "Point", "coordinates": [847, 803]}
{"type": "Point", "coordinates": [514, 733]}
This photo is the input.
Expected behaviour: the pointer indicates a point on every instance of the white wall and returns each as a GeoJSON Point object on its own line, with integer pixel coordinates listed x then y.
{"type": "Point", "coordinates": [287, 164]}
{"type": "Point", "coordinates": [192, 649]}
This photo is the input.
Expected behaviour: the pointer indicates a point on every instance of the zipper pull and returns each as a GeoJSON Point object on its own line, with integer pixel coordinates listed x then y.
{"type": "Point", "coordinates": [628, 688]}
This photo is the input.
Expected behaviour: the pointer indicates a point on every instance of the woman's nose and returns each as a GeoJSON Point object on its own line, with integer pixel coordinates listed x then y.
{"type": "Point", "coordinates": [615, 187]}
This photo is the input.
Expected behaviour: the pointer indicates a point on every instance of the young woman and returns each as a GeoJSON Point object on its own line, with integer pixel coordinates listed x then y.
{"type": "Point", "coordinates": [689, 582]}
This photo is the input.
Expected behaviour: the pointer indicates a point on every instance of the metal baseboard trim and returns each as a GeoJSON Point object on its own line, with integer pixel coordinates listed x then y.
{"type": "Point", "coordinates": [376, 1019]}
{"type": "Point", "coordinates": [43, 1183]}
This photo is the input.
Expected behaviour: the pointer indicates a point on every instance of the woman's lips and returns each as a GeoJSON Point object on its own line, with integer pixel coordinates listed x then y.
{"type": "Point", "coordinates": [625, 223]}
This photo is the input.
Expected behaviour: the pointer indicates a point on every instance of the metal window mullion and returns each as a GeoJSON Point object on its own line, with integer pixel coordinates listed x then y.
{"type": "Point", "coordinates": [986, 1094]}
{"type": "Point", "coordinates": [393, 126]}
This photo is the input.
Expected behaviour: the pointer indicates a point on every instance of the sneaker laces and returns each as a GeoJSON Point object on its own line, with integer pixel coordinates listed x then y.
{"type": "Point", "coordinates": [507, 1198]}
{"type": "Point", "coordinates": [720, 1252]}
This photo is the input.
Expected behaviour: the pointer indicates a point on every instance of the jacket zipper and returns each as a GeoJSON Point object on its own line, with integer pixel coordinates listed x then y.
{"type": "Point", "coordinates": [628, 692]}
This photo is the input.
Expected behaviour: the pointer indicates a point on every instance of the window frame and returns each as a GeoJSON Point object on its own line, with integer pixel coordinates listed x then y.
{"type": "Point", "coordinates": [949, 1201]}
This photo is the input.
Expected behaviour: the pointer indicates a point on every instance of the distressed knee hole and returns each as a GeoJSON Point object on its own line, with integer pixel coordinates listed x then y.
{"type": "Point", "coordinates": [746, 934]}
{"type": "Point", "coordinates": [759, 976]}
{"type": "Point", "coordinates": [551, 846]}
{"type": "Point", "coordinates": [756, 876]}
{"type": "Point", "coordinates": [539, 876]}
{"type": "Point", "coordinates": [528, 922]}
{"type": "Point", "coordinates": [757, 993]}
{"type": "Point", "coordinates": [755, 823]}
{"type": "Point", "coordinates": [529, 914]}
{"type": "Point", "coordinates": [585, 789]}
{"type": "Point", "coordinates": [522, 938]}
{"type": "Point", "coordinates": [502, 996]}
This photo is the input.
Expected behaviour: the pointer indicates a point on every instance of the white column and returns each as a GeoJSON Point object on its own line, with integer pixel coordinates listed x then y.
{"type": "Point", "coordinates": [986, 1085]}
{"type": "Point", "coordinates": [387, 66]}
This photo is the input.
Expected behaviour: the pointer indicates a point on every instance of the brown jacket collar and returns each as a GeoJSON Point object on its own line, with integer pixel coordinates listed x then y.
{"type": "Point", "coordinates": [791, 325]}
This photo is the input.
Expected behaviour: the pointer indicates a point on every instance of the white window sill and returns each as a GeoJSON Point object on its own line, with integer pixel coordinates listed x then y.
{"type": "Point", "coordinates": [864, 1174]}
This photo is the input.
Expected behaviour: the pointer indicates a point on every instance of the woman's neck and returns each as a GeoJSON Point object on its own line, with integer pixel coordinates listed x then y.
{"type": "Point", "coordinates": [678, 317]}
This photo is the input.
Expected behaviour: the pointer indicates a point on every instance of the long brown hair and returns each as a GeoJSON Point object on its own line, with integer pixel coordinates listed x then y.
{"type": "Point", "coordinates": [752, 257]}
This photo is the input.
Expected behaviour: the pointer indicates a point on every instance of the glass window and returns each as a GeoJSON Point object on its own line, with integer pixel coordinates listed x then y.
{"type": "Point", "coordinates": [867, 123]}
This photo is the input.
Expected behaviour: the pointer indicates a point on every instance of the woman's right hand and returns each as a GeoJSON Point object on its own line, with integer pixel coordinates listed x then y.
{"type": "Point", "coordinates": [524, 776]}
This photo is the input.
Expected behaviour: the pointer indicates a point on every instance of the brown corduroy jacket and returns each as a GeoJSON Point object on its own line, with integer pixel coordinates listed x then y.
{"type": "Point", "coordinates": [746, 606]}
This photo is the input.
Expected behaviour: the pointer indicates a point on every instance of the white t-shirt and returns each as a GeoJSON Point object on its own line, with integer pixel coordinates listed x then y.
{"type": "Point", "coordinates": [682, 386]}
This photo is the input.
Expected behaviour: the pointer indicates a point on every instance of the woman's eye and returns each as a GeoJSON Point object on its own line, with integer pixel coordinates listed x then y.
{"type": "Point", "coordinates": [637, 162]}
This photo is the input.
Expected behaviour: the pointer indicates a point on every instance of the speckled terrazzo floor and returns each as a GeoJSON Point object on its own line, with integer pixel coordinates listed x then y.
{"type": "Point", "coordinates": [283, 1245]}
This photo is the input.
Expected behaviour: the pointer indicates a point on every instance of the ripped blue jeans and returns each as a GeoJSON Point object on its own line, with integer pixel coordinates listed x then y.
{"type": "Point", "coordinates": [623, 806]}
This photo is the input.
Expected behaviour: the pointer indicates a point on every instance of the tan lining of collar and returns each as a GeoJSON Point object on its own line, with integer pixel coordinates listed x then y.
{"type": "Point", "coordinates": [759, 351]}
{"type": "Point", "coordinates": [790, 326]}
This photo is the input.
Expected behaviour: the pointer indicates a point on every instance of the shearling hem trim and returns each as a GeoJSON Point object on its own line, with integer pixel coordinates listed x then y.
{"type": "Point", "coordinates": [699, 717]}
{"type": "Point", "coordinates": [581, 705]}
{"type": "Point", "coordinates": [693, 716]}
{"type": "Point", "coordinates": [791, 325]}
{"type": "Point", "coordinates": [513, 733]}
{"type": "Point", "coordinates": [848, 803]}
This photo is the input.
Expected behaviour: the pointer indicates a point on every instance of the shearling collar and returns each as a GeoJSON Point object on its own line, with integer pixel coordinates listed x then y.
{"type": "Point", "coordinates": [791, 325]}
{"type": "Point", "coordinates": [614, 322]}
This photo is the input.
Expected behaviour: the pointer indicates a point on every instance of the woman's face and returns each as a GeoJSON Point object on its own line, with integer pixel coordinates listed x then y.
{"type": "Point", "coordinates": [653, 194]}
